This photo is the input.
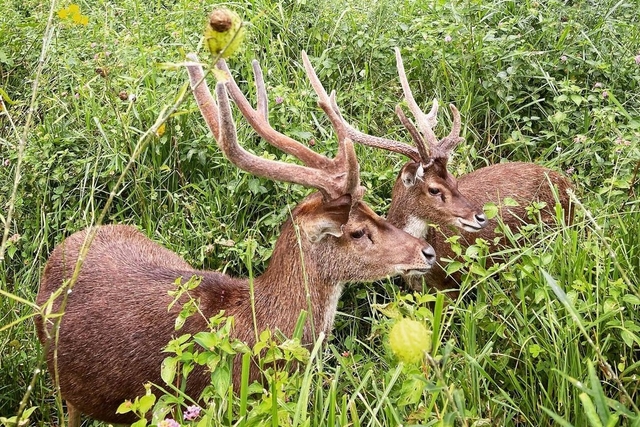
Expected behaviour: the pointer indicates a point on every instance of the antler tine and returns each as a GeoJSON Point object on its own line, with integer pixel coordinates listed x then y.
{"type": "Point", "coordinates": [424, 121]}
{"type": "Point", "coordinates": [345, 160]}
{"type": "Point", "coordinates": [220, 121]}
{"type": "Point", "coordinates": [449, 142]}
{"type": "Point", "coordinates": [375, 141]}
{"type": "Point", "coordinates": [205, 101]}
{"type": "Point", "coordinates": [432, 116]}
{"type": "Point", "coordinates": [423, 148]}
{"type": "Point", "coordinates": [272, 169]}
{"type": "Point", "coordinates": [259, 120]}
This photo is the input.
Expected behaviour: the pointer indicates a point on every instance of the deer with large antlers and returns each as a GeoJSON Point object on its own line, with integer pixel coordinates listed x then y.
{"type": "Point", "coordinates": [426, 193]}
{"type": "Point", "coordinates": [115, 323]}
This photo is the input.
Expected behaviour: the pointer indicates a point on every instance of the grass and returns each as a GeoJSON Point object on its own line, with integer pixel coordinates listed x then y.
{"type": "Point", "coordinates": [552, 339]}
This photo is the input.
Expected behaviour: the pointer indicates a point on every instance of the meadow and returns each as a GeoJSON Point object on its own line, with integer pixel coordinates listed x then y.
{"type": "Point", "coordinates": [97, 126]}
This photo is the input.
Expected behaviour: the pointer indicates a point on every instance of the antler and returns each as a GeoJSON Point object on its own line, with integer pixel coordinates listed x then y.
{"type": "Point", "coordinates": [333, 177]}
{"type": "Point", "coordinates": [427, 145]}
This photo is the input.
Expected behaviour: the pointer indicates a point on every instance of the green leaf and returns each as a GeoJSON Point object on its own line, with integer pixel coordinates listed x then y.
{"type": "Point", "coordinates": [491, 210]}
{"type": "Point", "coordinates": [629, 338]}
{"type": "Point", "coordinates": [168, 369]}
{"type": "Point", "coordinates": [631, 299]}
{"type": "Point", "coordinates": [142, 422]}
{"type": "Point", "coordinates": [577, 99]}
{"type": "Point", "coordinates": [146, 403]}
{"type": "Point", "coordinates": [390, 310]}
{"type": "Point", "coordinates": [509, 201]}
{"type": "Point", "coordinates": [411, 391]}
{"type": "Point", "coordinates": [125, 407]}
{"type": "Point", "coordinates": [208, 340]}
{"type": "Point", "coordinates": [590, 410]}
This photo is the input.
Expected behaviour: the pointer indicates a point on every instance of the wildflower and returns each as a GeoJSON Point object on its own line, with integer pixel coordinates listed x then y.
{"type": "Point", "coordinates": [598, 85]}
{"type": "Point", "coordinates": [132, 97]}
{"type": "Point", "coordinates": [447, 38]}
{"type": "Point", "coordinates": [570, 170]}
{"type": "Point", "coordinates": [558, 149]}
{"type": "Point", "coordinates": [168, 422]}
{"type": "Point", "coordinates": [621, 141]}
{"type": "Point", "coordinates": [346, 354]}
{"type": "Point", "coordinates": [93, 45]}
{"type": "Point", "coordinates": [6, 163]}
{"type": "Point", "coordinates": [192, 412]}
{"type": "Point", "coordinates": [637, 58]}
{"type": "Point", "coordinates": [563, 58]}
{"type": "Point", "coordinates": [279, 100]}
{"type": "Point", "coordinates": [579, 139]}
{"type": "Point", "coordinates": [605, 94]}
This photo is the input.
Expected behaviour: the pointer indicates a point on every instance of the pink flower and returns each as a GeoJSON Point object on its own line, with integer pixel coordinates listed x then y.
{"type": "Point", "coordinates": [192, 413]}
{"type": "Point", "coordinates": [447, 38]}
{"type": "Point", "coordinates": [598, 85]}
{"type": "Point", "coordinates": [563, 58]}
{"type": "Point", "coordinates": [168, 422]}
{"type": "Point", "coordinates": [605, 94]}
{"type": "Point", "coordinates": [637, 58]}
{"type": "Point", "coordinates": [279, 100]}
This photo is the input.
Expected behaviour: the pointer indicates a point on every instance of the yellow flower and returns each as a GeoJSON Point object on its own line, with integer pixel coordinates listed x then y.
{"type": "Point", "coordinates": [161, 130]}
{"type": "Point", "coordinates": [63, 13]}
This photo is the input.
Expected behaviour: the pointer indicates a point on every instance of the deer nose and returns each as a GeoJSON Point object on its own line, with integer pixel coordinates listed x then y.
{"type": "Point", "coordinates": [429, 254]}
{"type": "Point", "coordinates": [481, 219]}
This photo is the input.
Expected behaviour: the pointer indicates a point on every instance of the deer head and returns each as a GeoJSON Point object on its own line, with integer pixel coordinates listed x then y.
{"type": "Point", "coordinates": [425, 192]}
{"type": "Point", "coordinates": [343, 240]}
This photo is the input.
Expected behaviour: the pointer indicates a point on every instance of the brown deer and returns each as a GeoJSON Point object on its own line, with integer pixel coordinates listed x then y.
{"type": "Point", "coordinates": [426, 193]}
{"type": "Point", "coordinates": [116, 323]}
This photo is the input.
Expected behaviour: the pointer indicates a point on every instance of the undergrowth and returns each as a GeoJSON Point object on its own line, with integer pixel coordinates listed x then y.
{"type": "Point", "coordinates": [552, 336]}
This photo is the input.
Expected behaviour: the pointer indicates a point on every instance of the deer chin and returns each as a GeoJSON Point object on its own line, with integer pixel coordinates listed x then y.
{"type": "Point", "coordinates": [470, 226]}
{"type": "Point", "coordinates": [412, 271]}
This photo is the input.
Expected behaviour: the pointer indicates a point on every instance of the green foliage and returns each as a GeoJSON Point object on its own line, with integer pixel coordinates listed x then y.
{"type": "Point", "coordinates": [553, 334]}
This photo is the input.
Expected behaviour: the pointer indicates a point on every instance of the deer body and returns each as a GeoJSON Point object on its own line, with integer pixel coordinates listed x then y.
{"type": "Point", "coordinates": [523, 182]}
{"type": "Point", "coordinates": [116, 323]}
{"type": "Point", "coordinates": [426, 193]}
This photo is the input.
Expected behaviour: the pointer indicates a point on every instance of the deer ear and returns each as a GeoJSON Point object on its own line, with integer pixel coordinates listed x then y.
{"type": "Point", "coordinates": [411, 173]}
{"type": "Point", "coordinates": [327, 219]}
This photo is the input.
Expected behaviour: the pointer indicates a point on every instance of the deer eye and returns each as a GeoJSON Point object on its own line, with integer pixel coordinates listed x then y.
{"type": "Point", "coordinates": [358, 233]}
{"type": "Point", "coordinates": [434, 191]}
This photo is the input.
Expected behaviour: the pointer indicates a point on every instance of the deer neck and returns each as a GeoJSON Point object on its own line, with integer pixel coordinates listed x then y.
{"type": "Point", "coordinates": [291, 284]}
{"type": "Point", "coordinates": [402, 215]}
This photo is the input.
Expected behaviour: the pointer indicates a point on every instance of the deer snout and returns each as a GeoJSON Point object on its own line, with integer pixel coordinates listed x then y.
{"type": "Point", "coordinates": [429, 255]}
{"type": "Point", "coordinates": [481, 219]}
{"type": "Point", "coordinates": [478, 223]}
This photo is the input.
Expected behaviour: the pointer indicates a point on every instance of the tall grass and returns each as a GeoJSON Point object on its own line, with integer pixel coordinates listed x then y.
{"type": "Point", "coordinates": [552, 338]}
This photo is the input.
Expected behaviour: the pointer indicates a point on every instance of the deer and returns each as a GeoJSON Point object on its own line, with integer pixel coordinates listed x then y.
{"type": "Point", "coordinates": [425, 193]}
{"type": "Point", "coordinates": [116, 323]}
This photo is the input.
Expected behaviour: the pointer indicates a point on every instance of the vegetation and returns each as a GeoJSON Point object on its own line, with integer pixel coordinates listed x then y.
{"type": "Point", "coordinates": [552, 336]}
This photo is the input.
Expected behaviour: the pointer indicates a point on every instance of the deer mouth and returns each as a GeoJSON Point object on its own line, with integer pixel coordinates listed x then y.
{"type": "Point", "coordinates": [470, 226]}
{"type": "Point", "coordinates": [414, 271]}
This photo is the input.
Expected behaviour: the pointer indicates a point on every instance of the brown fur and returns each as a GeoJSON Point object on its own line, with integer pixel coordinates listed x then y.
{"type": "Point", "coordinates": [524, 182]}
{"type": "Point", "coordinates": [116, 321]}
